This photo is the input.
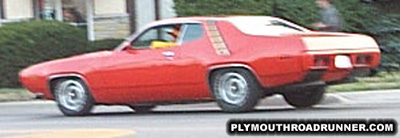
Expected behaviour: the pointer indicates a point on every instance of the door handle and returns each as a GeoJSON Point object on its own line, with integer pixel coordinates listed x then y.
{"type": "Point", "coordinates": [285, 57]}
{"type": "Point", "coordinates": [168, 54]}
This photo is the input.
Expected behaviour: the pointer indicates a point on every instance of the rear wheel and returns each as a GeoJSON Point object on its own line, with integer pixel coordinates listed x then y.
{"type": "Point", "coordinates": [73, 97]}
{"type": "Point", "coordinates": [306, 97]}
{"type": "Point", "coordinates": [235, 90]}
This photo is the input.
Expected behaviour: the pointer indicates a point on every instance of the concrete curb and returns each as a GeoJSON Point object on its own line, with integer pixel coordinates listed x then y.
{"type": "Point", "coordinates": [35, 102]}
{"type": "Point", "coordinates": [334, 99]}
{"type": "Point", "coordinates": [383, 96]}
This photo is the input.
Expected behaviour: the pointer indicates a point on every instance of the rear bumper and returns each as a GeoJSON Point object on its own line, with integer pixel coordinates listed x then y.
{"type": "Point", "coordinates": [350, 78]}
{"type": "Point", "coordinates": [294, 87]}
{"type": "Point", "coordinates": [336, 77]}
{"type": "Point", "coordinates": [315, 78]}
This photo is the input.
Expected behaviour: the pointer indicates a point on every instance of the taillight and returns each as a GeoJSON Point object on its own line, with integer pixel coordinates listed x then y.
{"type": "Point", "coordinates": [363, 59]}
{"type": "Point", "coordinates": [321, 62]}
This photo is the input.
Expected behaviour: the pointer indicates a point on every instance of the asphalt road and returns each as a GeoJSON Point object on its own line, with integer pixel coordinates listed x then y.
{"type": "Point", "coordinates": [42, 118]}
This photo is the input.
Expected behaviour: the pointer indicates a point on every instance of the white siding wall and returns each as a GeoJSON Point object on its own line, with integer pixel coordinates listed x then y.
{"type": "Point", "coordinates": [104, 7]}
{"type": "Point", "coordinates": [167, 9]}
{"type": "Point", "coordinates": [18, 9]}
{"type": "Point", "coordinates": [144, 12]}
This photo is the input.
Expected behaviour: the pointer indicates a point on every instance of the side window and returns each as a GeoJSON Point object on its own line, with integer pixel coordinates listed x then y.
{"type": "Point", "coordinates": [193, 32]}
{"type": "Point", "coordinates": [167, 35]}
{"type": "Point", "coordinates": [145, 39]}
{"type": "Point", "coordinates": [278, 23]}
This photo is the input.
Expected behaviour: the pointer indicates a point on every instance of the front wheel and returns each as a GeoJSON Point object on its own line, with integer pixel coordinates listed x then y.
{"type": "Point", "coordinates": [306, 97]}
{"type": "Point", "coordinates": [235, 90]}
{"type": "Point", "coordinates": [73, 97]}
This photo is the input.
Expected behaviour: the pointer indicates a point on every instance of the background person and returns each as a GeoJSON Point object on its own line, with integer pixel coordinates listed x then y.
{"type": "Point", "coordinates": [330, 19]}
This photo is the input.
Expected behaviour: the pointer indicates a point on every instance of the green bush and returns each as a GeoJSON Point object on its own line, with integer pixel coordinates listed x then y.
{"type": "Point", "coordinates": [27, 43]}
{"type": "Point", "coordinates": [222, 7]}
{"type": "Point", "coordinates": [357, 16]}
{"type": "Point", "coordinates": [106, 44]}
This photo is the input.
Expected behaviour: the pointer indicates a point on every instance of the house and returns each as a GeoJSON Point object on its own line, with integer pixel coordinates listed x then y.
{"type": "Point", "coordinates": [102, 18]}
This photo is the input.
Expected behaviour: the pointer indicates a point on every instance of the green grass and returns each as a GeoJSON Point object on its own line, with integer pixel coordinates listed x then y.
{"type": "Point", "coordinates": [7, 95]}
{"type": "Point", "coordinates": [382, 81]}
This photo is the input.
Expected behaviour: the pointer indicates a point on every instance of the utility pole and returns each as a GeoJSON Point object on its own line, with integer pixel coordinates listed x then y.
{"type": "Point", "coordinates": [157, 9]}
{"type": "Point", "coordinates": [1, 12]}
{"type": "Point", "coordinates": [90, 20]}
{"type": "Point", "coordinates": [36, 9]}
{"type": "Point", "coordinates": [132, 14]}
{"type": "Point", "coordinates": [59, 10]}
{"type": "Point", "coordinates": [157, 15]}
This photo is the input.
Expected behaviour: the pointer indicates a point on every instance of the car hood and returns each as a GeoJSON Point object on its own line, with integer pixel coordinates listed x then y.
{"type": "Point", "coordinates": [74, 64]}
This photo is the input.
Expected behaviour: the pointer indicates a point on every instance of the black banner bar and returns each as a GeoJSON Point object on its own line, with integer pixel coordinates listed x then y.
{"type": "Point", "coordinates": [312, 127]}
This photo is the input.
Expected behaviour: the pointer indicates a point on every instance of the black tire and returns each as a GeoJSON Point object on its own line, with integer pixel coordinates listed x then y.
{"type": "Point", "coordinates": [80, 101]}
{"type": "Point", "coordinates": [142, 109]}
{"type": "Point", "coordinates": [243, 91]}
{"type": "Point", "coordinates": [306, 97]}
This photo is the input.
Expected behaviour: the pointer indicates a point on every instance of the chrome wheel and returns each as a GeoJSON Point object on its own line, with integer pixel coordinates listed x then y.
{"type": "Point", "coordinates": [233, 88]}
{"type": "Point", "coordinates": [72, 95]}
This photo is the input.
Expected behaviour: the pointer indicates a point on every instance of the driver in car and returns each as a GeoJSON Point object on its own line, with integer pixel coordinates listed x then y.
{"type": "Point", "coordinates": [175, 32]}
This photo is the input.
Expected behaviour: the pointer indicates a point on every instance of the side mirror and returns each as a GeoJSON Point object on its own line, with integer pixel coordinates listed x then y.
{"type": "Point", "coordinates": [161, 45]}
{"type": "Point", "coordinates": [126, 45]}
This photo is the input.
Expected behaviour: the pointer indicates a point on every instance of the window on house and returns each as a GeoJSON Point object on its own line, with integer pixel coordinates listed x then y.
{"type": "Point", "coordinates": [72, 15]}
{"type": "Point", "coordinates": [74, 12]}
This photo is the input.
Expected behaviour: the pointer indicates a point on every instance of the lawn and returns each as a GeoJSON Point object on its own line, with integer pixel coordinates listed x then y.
{"type": "Point", "coordinates": [7, 95]}
{"type": "Point", "coordinates": [382, 81]}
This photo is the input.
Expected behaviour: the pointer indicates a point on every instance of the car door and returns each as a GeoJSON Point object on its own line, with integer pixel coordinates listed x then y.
{"type": "Point", "coordinates": [190, 69]}
{"type": "Point", "coordinates": [143, 72]}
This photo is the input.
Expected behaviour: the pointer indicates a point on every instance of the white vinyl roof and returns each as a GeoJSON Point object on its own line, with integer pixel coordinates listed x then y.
{"type": "Point", "coordinates": [250, 25]}
{"type": "Point", "coordinates": [265, 25]}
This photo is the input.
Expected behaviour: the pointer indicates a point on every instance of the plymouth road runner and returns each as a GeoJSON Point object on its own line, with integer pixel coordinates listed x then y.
{"type": "Point", "coordinates": [235, 61]}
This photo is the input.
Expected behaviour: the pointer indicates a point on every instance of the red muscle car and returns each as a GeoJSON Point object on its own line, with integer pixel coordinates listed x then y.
{"type": "Point", "coordinates": [234, 61]}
